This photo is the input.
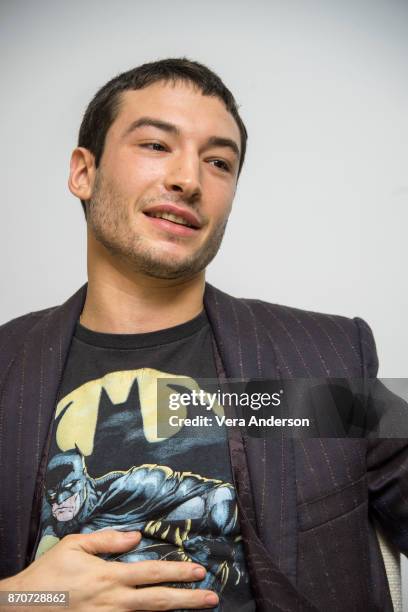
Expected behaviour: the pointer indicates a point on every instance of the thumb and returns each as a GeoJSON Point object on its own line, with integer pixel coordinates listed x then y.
{"type": "Point", "coordinates": [107, 541]}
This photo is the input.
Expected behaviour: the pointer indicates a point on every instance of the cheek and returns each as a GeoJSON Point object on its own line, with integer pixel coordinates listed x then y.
{"type": "Point", "coordinates": [129, 177]}
{"type": "Point", "coordinates": [132, 175]}
{"type": "Point", "coordinates": [220, 202]}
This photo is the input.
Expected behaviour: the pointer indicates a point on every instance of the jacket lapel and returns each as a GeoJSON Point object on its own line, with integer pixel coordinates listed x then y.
{"type": "Point", "coordinates": [247, 351]}
{"type": "Point", "coordinates": [31, 386]}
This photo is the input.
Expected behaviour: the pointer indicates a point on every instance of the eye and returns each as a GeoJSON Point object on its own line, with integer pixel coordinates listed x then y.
{"type": "Point", "coordinates": [223, 165]}
{"type": "Point", "coordinates": [153, 146]}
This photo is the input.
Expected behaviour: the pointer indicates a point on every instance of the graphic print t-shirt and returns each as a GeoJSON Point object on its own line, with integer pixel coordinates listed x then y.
{"type": "Point", "coordinates": [108, 469]}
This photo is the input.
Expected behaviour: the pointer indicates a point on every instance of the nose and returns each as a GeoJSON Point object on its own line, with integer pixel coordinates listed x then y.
{"type": "Point", "coordinates": [183, 176]}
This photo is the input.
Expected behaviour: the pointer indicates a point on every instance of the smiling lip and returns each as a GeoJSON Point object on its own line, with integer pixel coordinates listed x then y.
{"type": "Point", "coordinates": [171, 227]}
{"type": "Point", "coordinates": [185, 214]}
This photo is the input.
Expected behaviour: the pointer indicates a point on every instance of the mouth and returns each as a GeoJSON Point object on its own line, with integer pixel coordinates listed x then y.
{"type": "Point", "coordinates": [62, 511]}
{"type": "Point", "coordinates": [173, 219]}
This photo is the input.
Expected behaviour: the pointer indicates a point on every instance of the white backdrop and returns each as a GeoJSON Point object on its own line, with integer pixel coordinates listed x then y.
{"type": "Point", "coordinates": [320, 216]}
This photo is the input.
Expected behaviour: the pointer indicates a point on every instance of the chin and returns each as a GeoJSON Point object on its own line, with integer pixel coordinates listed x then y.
{"type": "Point", "coordinates": [169, 273]}
{"type": "Point", "coordinates": [164, 264]}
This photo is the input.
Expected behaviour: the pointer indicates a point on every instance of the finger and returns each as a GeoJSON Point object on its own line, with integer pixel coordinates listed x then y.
{"type": "Point", "coordinates": [166, 598]}
{"type": "Point", "coordinates": [105, 541]}
{"type": "Point", "coordinates": [153, 572]}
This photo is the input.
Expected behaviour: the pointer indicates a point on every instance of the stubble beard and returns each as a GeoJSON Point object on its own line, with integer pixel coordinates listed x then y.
{"type": "Point", "coordinates": [108, 221]}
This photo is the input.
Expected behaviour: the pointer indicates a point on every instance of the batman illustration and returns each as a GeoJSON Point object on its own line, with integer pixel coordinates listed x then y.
{"type": "Point", "coordinates": [182, 516]}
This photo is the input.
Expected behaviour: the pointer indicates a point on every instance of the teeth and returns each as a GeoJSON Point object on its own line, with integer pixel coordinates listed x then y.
{"type": "Point", "coordinates": [170, 217]}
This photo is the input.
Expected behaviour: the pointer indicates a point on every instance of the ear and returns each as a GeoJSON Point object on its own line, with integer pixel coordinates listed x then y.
{"type": "Point", "coordinates": [78, 450]}
{"type": "Point", "coordinates": [82, 173]}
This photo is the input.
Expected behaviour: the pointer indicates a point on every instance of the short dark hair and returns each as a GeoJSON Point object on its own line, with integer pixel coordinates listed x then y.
{"type": "Point", "coordinates": [103, 108]}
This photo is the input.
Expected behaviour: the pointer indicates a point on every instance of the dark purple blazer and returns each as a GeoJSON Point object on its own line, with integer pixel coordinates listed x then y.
{"type": "Point", "coordinates": [307, 507]}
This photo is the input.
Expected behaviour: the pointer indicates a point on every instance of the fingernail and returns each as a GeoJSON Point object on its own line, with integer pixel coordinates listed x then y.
{"type": "Point", "coordinates": [211, 598]}
{"type": "Point", "coordinates": [199, 572]}
{"type": "Point", "coordinates": [130, 534]}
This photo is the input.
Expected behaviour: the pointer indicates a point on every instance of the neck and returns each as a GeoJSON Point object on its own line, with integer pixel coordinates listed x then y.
{"type": "Point", "coordinates": [123, 302]}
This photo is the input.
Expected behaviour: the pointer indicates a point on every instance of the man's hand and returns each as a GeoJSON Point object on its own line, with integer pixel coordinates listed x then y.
{"type": "Point", "coordinates": [110, 586]}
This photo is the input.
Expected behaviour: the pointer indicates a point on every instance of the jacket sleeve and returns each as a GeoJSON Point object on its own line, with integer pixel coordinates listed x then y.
{"type": "Point", "coordinates": [387, 457]}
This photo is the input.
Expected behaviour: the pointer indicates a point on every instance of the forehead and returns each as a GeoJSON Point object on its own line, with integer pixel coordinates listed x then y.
{"type": "Point", "coordinates": [179, 103]}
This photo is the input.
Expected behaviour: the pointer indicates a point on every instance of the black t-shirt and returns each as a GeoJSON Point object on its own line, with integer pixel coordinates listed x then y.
{"type": "Point", "coordinates": [108, 468]}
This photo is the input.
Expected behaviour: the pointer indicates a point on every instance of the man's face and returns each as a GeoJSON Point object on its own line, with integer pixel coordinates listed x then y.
{"type": "Point", "coordinates": [187, 163]}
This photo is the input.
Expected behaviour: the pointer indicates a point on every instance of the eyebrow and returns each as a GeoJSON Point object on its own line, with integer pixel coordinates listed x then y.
{"type": "Point", "coordinates": [218, 141]}
{"type": "Point", "coordinates": [150, 121]}
{"type": "Point", "coordinates": [170, 128]}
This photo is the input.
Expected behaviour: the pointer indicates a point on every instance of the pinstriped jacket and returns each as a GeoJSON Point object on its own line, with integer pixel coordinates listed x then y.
{"type": "Point", "coordinates": [306, 506]}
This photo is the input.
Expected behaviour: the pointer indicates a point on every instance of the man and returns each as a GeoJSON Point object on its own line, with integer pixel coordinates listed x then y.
{"type": "Point", "coordinates": [225, 521]}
